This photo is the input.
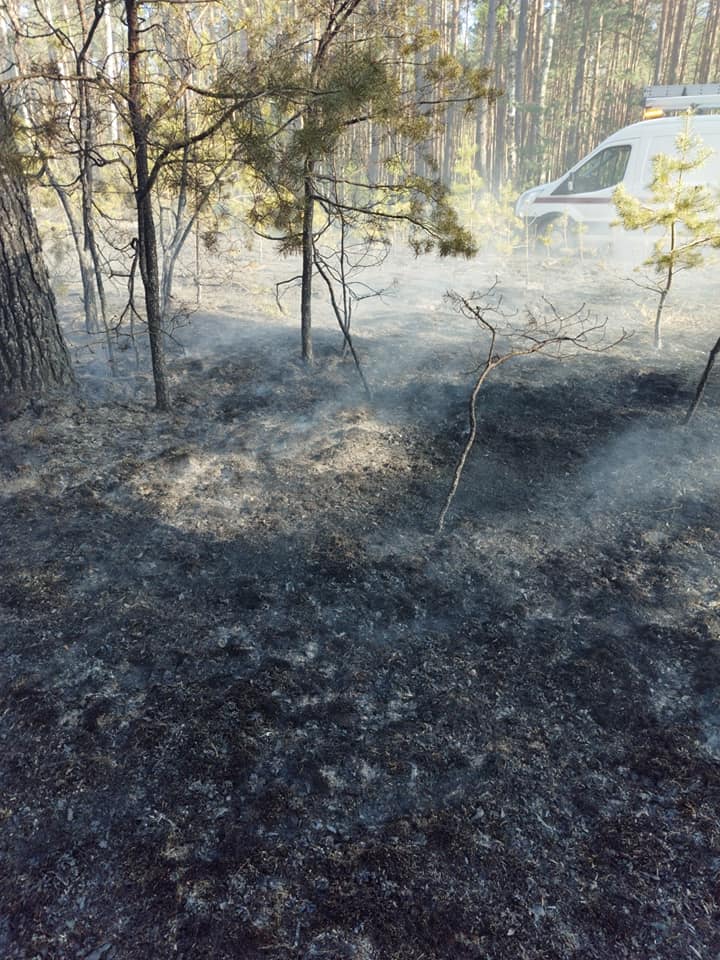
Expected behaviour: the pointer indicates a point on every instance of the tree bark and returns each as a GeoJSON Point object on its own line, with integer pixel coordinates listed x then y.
{"type": "Point", "coordinates": [709, 43]}
{"type": "Point", "coordinates": [518, 93]}
{"type": "Point", "coordinates": [574, 144]}
{"type": "Point", "coordinates": [453, 116]}
{"type": "Point", "coordinates": [307, 265]}
{"type": "Point", "coordinates": [508, 169]}
{"type": "Point", "coordinates": [338, 13]}
{"type": "Point", "coordinates": [712, 356]}
{"type": "Point", "coordinates": [33, 355]}
{"type": "Point", "coordinates": [93, 286]}
{"type": "Point", "coordinates": [549, 22]}
{"type": "Point", "coordinates": [147, 240]}
{"type": "Point", "coordinates": [483, 162]}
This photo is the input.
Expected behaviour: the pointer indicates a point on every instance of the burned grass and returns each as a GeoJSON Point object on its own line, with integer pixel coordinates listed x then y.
{"type": "Point", "coordinates": [253, 707]}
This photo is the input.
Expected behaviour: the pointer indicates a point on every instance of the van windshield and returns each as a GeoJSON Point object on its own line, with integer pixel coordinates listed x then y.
{"type": "Point", "coordinates": [605, 169]}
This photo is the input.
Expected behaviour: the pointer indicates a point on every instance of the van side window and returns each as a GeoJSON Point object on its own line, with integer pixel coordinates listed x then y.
{"type": "Point", "coordinates": [605, 169]}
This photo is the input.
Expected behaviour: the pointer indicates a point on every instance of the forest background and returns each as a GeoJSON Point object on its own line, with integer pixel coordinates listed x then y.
{"type": "Point", "coordinates": [150, 124]}
{"type": "Point", "coordinates": [569, 72]}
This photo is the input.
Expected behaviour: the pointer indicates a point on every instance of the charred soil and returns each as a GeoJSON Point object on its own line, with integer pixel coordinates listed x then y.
{"type": "Point", "coordinates": [253, 707]}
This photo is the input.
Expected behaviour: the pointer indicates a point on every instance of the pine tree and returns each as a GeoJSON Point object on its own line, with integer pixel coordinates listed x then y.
{"type": "Point", "coordinates": [686, 212]}
{"type": "Point", "coordinates": [365, 69]}
{"type": "Point", "coordinates": [33, 355]}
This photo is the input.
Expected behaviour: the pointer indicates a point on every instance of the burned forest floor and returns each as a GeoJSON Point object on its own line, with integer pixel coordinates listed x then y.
{"type": "Point", "coordinates": [253, 706]}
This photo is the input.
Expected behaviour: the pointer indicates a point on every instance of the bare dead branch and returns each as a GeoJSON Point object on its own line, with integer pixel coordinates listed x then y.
{"type": "Point", "coordinates": [559, 336]}
{"type": "Point", "coordinates": [341, 317]}
{"type": "Point", "coordinates": [284, 283]}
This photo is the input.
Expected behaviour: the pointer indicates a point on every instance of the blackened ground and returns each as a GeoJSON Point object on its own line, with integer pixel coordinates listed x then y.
{"type": "Point", "coordinates": [252, 707]}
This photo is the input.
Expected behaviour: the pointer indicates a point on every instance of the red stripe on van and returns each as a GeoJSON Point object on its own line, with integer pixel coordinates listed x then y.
{"type": "Point", "coordinates": [571, 199]}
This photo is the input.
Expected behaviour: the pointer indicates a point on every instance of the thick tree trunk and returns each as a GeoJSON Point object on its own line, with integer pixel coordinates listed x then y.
{"type": "Point", "coordinates": [33, 355]}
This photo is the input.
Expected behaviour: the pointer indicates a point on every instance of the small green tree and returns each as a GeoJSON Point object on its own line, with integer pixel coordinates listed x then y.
{"type": "Point", "coordinates": [686, 212]}
{"type": "Point", "coordinates": [361, 67]}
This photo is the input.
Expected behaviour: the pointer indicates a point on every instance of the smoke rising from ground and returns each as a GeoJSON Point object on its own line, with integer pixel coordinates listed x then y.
{"type": "Point", "coordinates": [272, 687]}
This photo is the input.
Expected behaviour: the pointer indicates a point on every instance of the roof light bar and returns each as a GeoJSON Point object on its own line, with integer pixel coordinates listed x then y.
{"type": "Point", "coordinates": [676, 97]}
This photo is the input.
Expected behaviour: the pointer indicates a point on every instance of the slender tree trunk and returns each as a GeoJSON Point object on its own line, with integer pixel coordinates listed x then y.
{"type": "Point", "coordinates": [550, 18]}
{"type": "Point", "coordinates": [453, 116]}
{"type": "Point", "coordinates": [657, 337]}
{"type": "Point", "coordinates": [307, 265]}
{"type": "Point", "coordinates": [483, 163]}
{"type": "Point", "coordinates": [12, 47]}
{"type": "Point", "coordinates": [147, 240]}
{"type": "Point", "coordinates": [339, 14]}
{"type": "Point", "coordinates": [77, 93]}
{"type": "Point", "coordinates": [179, 230]}
{"type": "Point", "coordinates": [93, 288]}
{"type": "Point", "coordinates": [519, 89]}
{"type": "Point", "coordinates": [709, 42]}
{"type": "Point", "coordinates": [33, 355]}
{"type": "Point", "coordinates": [509, 159]}
{"type": "Point", "coordinates": [663, 71]}
{"type": "Point", "coordinates": [87, 272]}
{"type": "Point", "coordinates": [678, 20]}
{"type": "Point", "coordinates": [687, 41]}
{"type": "Point", "coordinates": [703, 381]}
{"type": "Point", "coordinates": [579, 87]}
{"type": "Point", "coordinates": [373, 169]}
{"type": "Point", "coordinates": [500, 130]}
{"type": "Point", "coordinates": [111, 68]}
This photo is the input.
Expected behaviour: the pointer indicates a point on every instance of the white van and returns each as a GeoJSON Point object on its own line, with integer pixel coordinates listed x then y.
{"type": "Point", "coordinates": [582, 198]}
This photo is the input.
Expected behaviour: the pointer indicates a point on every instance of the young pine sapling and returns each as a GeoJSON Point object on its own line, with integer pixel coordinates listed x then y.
{"type": "Point", "coordinates": [686, 212]}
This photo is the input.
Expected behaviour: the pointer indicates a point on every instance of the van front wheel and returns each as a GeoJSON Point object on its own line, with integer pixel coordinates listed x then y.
{"type": "Point", "coordinates": [557, 234]}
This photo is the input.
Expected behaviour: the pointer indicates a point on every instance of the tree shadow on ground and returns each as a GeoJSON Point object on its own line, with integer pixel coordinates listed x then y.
{"type": "Point", "coordinates": [322, 729]}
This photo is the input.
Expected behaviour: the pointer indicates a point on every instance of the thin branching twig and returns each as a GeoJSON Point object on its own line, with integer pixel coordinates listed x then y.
{"type": "Point", "coordinates": [553, 334]}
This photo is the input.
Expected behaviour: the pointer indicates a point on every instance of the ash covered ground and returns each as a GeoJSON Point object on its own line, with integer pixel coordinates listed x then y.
{"type": "Point", "coordinates": [254, 707]}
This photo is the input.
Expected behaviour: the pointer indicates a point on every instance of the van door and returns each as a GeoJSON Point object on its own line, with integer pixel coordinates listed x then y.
{"type": "Point", "coordinates": [707, 174]}
{"type": "Point", "coordinates": [585, 194]}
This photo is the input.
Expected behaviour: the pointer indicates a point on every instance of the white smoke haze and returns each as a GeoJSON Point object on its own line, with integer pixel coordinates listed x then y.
{"type": "Point", "coordinates": [257, 573]}
{"type": "Point", "coordinates": [651, 464]}
{"type": "Point", "coordinates": [418, 355]}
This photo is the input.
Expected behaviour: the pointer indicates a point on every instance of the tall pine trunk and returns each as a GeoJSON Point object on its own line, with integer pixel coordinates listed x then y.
{"type": "Point", "coordinates": [33, 355]}
{"type": "Point", "coordinates": [483, 162]}
{"type": "Point", "coordinates": [549, 25]}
